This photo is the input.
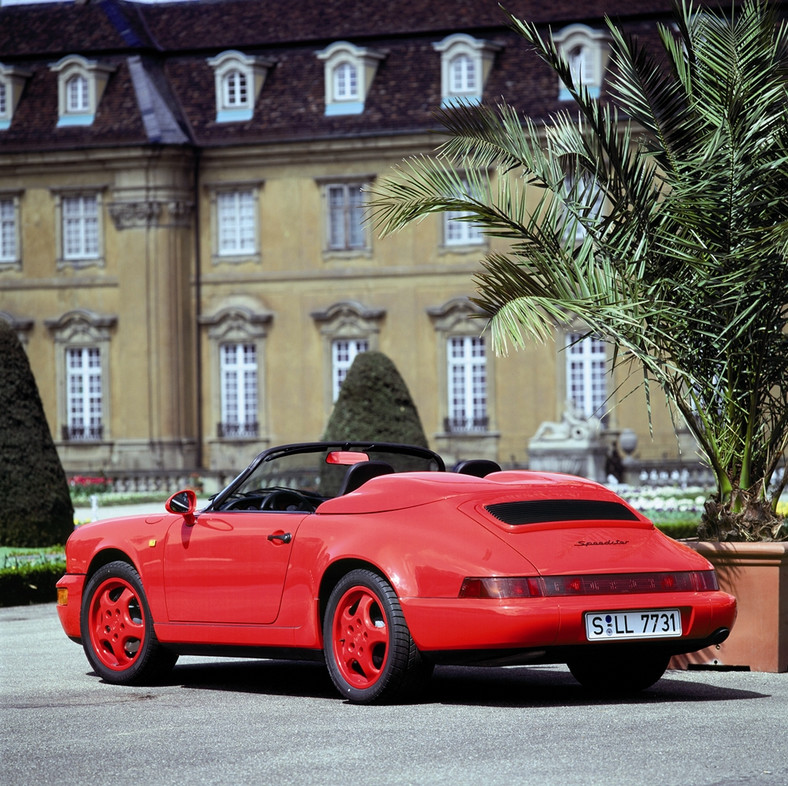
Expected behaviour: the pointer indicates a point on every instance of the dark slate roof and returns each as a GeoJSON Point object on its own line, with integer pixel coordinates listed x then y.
{"type": "Point", "coordinates": [162, 89]}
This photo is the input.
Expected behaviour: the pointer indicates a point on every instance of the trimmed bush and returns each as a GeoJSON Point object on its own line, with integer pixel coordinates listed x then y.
{"type": "Point", "coordinates": [34, 583]}
{"type": "Point", "coordinates": [36, 506]}
{"type": "Point", "coordinates": [374, 404]}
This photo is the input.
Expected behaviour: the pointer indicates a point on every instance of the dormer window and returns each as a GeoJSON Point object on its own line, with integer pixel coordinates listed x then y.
{"type": "Point", "coordinates": [81, 84]}
{"type": "Point", "coordinates": [348, 74]}
{"type": "Point", "coordinates": [585, 50]}
{"type": "Point", "coordinates": [239, 78]}
{"type": "Point", "coordinates": [12, 80]}
{"type": "Point", "coordinates": [77, 95]}
{"type": "Point", "coordinates": [465, 65]}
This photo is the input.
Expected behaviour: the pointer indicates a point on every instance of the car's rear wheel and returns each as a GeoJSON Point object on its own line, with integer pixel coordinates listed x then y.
{"type": "Point", "coordinates": [117, 628]}
{"type": "Point", "coordinates": [617, 674]}
{"type": "Point", "coordinates": [369, 651]}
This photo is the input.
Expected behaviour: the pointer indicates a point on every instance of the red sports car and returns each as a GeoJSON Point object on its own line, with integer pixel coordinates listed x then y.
{"type": "Point", "coordinates": [376, 559]}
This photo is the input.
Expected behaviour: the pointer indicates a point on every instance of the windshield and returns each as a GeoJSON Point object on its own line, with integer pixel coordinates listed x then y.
{"type": "Point", "coordinates": [305, 469]}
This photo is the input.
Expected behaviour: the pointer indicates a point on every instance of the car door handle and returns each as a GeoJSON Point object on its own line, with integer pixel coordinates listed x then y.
{"type": "Point", "coordinates": [284, 537]}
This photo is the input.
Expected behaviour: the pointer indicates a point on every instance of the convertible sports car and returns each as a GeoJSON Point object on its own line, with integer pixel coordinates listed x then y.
{"type": "Point", "coordinates": [376, 559]}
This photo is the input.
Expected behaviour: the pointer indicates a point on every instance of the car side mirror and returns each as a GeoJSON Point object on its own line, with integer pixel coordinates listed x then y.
{"type": "Point", "coordinates": [183, 503]}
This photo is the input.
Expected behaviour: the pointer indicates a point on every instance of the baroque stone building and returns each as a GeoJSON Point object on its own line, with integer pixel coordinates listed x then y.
{"type": "Point", "coordinates": [183, 249]}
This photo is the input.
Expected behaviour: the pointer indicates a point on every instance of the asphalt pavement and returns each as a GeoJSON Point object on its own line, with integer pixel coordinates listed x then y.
{"type": "Point", "coordinates": [224, 721]}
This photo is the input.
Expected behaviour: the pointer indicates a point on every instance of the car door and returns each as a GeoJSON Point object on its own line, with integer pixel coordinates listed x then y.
{"type": "Point", "coordinates": [228, 567]}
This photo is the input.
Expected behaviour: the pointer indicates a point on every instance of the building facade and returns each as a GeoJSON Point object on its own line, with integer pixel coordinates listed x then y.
{"type": "Point", "coordinates": [184, 249]}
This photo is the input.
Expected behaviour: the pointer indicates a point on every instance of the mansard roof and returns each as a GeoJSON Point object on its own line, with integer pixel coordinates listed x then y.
{"type": "Point", "coordinates": [162, 88]}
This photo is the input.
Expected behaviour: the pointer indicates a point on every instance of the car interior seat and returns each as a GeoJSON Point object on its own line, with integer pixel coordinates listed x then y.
{"type": "Point", "coordinates": [360, 473]}
{"type": "Point", "coordinates": [477, 467]}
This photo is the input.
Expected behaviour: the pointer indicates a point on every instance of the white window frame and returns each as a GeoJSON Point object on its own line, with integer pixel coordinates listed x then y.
{"type": "Point", "coordinates": [12, 82]}
{"type": "Point", "coordinates": [242, 320]}
{"type": "Point", "coordinates": [345, 321]}
{"type": "Point", "coordinates": [79, 225]}
{"type": "Point", "coordinates": [586, 374]}
{"type": "Point", "coordinates": [81, 112]}
{"type": "Point", "coordinates": [480, 57]}
{"type": "Point", "coordinates": [343, 353]}
{"type": "Point", "coordinates": [586, 187]}
{"type": "Point", "coordinates": [84, 415]}
{"type": "Point", "coordinates": [345, 226]}
{"type": "Point", "coordinates": [10, 234]}
{"type": "Point", "coordinates": [343, 96]}
{"type": "Point", "coordinates": [84, 394]}
{"type": "Point", "coordinates": [457, 232]}
{"type": "Point", "coordinates": [77, 94]}
{"type": "Point", "coordinates": [238, 82]}
{"type": "Point", "coordinates": [238, 382]}
{"type": "Point", "coordinates": [586, 51]}
{"type": "Point", "coordinates": [235, 222]}
{"type": "Point", "coordinates": [458, 319]}
{"type": "Point", "coordinates": [466, 359]}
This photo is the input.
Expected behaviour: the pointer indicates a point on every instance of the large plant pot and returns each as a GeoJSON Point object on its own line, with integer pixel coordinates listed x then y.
{"type": "Point", "coordinates": [757, 575]}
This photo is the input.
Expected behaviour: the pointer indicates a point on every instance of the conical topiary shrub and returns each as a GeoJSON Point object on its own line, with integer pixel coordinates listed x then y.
{"type": "Point", "coordinates": [36, 506]}
{"type": "Point", "coordinates": [374, 404]}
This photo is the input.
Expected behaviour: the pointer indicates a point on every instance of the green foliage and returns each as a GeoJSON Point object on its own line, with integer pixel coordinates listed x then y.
{"type": "Point", "coordinates": [374, 404]}
{"type": "Point", "coordinates": [30, 582]}
{"type": "Point", "coordinates": [36, 507]}
{"type": "Point", "coordinates": [659, 217]}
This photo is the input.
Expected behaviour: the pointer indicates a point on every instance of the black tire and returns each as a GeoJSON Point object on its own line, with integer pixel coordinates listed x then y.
{"type": "Point", "coordinates": [617, 674]}
{"type": "Point", "coordinates": [369, 652]}
{"type": "Point", "coordinates": [117, 628]}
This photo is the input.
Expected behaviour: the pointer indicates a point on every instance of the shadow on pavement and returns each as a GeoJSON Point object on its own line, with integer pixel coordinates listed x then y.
{"type": "Point", "coordinates": [540, 686]}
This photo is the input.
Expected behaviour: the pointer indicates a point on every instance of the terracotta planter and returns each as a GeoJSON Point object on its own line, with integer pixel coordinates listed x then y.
{"type": "Point", "coordinates": [757, 575]}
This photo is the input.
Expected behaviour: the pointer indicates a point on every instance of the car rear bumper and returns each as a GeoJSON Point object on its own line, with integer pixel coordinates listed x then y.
{"type": "Point", "coordinates": [69, 604]}
{"type": "Point", "coordinates": [541, 623]}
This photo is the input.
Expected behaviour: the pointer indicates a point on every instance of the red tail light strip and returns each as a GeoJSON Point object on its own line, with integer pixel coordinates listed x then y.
{"type": "Point", "coordinates": [604, 584]}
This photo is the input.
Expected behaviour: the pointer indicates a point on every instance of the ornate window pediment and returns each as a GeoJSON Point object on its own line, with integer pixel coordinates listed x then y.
{"type": "Point", "coordinates": [80, 85]}
{"type": "Point", "coordinates": [465, 65]}
{"type": "Point", "coordinates": [238, 78]}
{"type": "Point", "coordinates": [348, 74]}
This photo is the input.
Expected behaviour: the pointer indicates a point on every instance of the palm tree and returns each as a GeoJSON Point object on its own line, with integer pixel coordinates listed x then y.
{"type": "Point", "coordinates": [657, 215]}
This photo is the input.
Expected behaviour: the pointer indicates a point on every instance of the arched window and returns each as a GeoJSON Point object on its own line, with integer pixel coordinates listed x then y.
{"type": "Point", "coordinates": [462, 75]}
{"type": "Point", "coordinates": [77, 94]}
{"type": "Point", "coordinates": [348, 71]}
{"type": "Point", "coordinates": [238, 80]}
{"type": "Point", "coordinates": [345, 82]}
{"type": "Point", "coordinates": [236, 91]}
{"type": "Point", "coordinates": [585, 50]}
{"type": "Point", "coordinates": [465, 65]}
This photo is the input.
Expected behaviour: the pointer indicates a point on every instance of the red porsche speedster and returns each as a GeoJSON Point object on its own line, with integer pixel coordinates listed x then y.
{"type": "Point", "coordinates": [376, 559]}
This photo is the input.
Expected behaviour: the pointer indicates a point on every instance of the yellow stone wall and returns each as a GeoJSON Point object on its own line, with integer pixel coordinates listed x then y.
{"type": "Point", "coordinates": [163, 393]}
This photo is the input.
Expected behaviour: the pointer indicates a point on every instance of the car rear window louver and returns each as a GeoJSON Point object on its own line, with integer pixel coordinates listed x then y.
{"type": "Point", "coordinates": [544, 510]}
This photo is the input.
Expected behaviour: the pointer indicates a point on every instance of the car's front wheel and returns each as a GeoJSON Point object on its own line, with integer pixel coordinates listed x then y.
{"type": "Point", "coordinates": [369, 651]}
{"type": "Point", "coordinates": [117, 628]}
{"type": "Point", "coordinates": [617, 674]}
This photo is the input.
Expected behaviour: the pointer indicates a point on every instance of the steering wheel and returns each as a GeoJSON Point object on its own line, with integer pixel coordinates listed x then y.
{"type": "Point", "coordinates": [286, 500]}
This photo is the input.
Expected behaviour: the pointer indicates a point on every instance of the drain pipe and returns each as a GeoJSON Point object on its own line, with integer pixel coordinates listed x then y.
{"type": "Point", "coordinates": [198, 306]}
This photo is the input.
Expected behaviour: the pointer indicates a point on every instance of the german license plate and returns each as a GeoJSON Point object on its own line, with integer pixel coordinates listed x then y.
{"type": "Point", "coordinates": [647, 624]}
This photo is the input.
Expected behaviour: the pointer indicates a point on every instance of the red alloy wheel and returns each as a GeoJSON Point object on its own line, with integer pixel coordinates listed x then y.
{"type": "Point", "coordinates": [360, 637]}
{"type": "Point", "coordinates": [116, 624]}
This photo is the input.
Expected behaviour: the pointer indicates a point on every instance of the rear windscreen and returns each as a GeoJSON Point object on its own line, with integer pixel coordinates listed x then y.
{"type": "Point", "coordinates": [543, 510]}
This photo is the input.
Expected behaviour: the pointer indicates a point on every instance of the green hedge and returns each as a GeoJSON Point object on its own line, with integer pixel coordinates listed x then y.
{"type": "Point", "coordinates": [34, 583]}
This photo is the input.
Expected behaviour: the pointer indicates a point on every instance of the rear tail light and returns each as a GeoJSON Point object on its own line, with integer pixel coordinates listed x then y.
{"type": "Point", "coordinates": [605, 584]}
{"type": "Point", "coordinates": [501, 587]}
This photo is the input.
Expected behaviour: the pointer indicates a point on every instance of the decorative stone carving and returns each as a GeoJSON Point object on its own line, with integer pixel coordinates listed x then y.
{"type": "Point", "coordinates": [574, 446]}
{"type": "Point", "coordinates": [149, 213]}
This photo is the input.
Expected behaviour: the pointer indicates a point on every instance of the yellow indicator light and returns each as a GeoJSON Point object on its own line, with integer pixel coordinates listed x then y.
{"type": "Point", "coordinates": [152, 542]}
{"type": "Point", "coordinates": [62, 596]}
